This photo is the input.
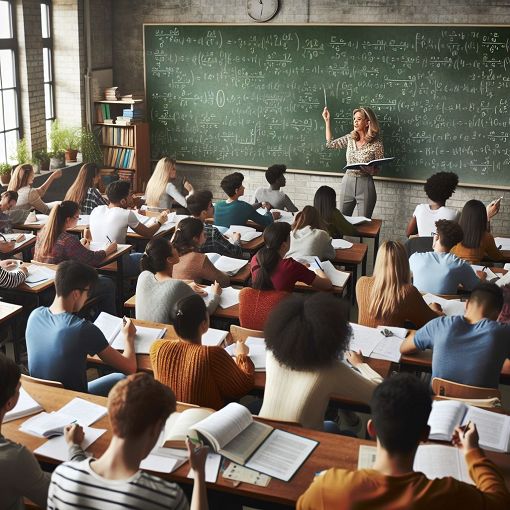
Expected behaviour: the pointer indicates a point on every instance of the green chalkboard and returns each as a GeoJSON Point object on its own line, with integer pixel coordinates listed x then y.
{"type": "Point", "coordinates": [252, 95]}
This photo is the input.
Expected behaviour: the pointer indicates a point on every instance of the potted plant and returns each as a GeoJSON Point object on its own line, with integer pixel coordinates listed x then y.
{"type": "Point", "coordinates": [5, 173]}
{"type": "Point", "coordinates": [21, 154]}
{"type": "Point", "coordinates": [57, 146]}
{"type": "Point", "coordinates": [90, 149]}
{"type": "Point", "coordinates": [72, 139]}
{"type": "Point", "coordinates": [41, 158]}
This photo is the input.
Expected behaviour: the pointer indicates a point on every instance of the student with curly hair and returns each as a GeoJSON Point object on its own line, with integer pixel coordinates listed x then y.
{"type": "Point", "coordinates": [272, 197]}
{"type": "Point", "coordinates": [439, 188]}
{"type": "Point", "coordinates": [440, 271]}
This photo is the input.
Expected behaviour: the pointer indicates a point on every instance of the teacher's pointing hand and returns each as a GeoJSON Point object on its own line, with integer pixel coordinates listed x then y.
{"type": "Point", "coordinates": [325, 114]}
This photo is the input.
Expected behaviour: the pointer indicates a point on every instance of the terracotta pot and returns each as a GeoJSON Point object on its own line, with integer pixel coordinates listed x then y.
{"type": "Point", "coordinates": [71, 155]}
{"type": "Point", "coordinates": [5, 178]}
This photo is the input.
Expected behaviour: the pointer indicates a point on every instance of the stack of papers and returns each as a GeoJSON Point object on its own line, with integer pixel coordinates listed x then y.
{"type": "Point", "coordinates": [503, 243]}
{"type": "Point", "coordinates": [257, 352]}
{"type": "Point", "coordinates": [356, 220]}
{"type": "Point", "coordinates": [25, 407]}
{"type": "Point", "coordinates": [247, 233]}
{"type": "Point", "coordinates": [341, 244]}
{"type": "Point", "coordinates": [372, 343]}
{"type": "Point", "coordinates": [228, 265]}
{"type": "Point", "coordinates": [39, 274]}
{"type": "Point", "coordinates": [111, 327]}
{"type": "Point", "coordinates": [449, 306]}
{"type": "Point", "coordinates": [229, 296]}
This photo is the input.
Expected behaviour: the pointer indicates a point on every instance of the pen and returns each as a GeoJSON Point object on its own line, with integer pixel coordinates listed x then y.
{"type": "Point", "coordinates": [109, 239]}
{"type": "Point", "coordinates": [124, 320]}
{"type": "Point", "coordinates": [318, 262]}
{"type": "Point", "coordinates": [466, 427]}
{"type": "Point", "coordinates": [500, 246]}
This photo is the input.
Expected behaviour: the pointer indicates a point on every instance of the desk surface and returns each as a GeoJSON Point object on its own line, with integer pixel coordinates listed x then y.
{"type": "Point", "coordinates": [28, 243]}
{"type": "Point", "coordinates": [8, 310]}
{"type": "Point", "coordinates": [369, 228]}
{"type": "Point", "coordinates": [353, 255]}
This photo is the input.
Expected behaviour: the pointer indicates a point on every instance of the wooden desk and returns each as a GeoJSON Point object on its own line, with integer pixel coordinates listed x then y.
{"type": "Point", "coordinates": [25, 247]}
{"type": "Point", "coordinates": [505, 259]}
{"type": "Point", "coordinates": [242, 276]}
{"type": "Point", "coordinates": [253, 246]}
{"type": "Point", "coordinates": [351, 258]}
{"type": "Point", "coordinates": [370, 230]}
{"type": "Point", "coordinates": [8, 317]}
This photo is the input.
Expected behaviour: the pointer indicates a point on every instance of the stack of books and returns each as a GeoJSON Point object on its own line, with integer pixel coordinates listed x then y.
{"type": "Point", "coordinates": [112, 94]}
{"type": "Point", "coordinates": [130, 115]}
{"type": "Point", "coordinates": [132, 97]}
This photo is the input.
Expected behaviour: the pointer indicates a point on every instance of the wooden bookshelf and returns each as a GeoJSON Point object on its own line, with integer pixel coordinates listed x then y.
{"type": "Point", "coordinates": [124, 147]}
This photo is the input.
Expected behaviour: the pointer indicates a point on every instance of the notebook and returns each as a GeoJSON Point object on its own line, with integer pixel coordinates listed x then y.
{"type": "Point", "coordinates": [247, 233]}
{"type": "Point", "coordinates": [25, 406]}
{"type": "Point", "coordinates": [39, 274]}
{"type": "Point", "coordinates": [228, 265]}
{"type": "Point", "coordinates": [338, 278]}
{"type": "Point", "coordinates": [257, 352]}
{"type": "Point", "coordinates": [229, 296]}
{"type": "Point", "coordinates": [214, 337]}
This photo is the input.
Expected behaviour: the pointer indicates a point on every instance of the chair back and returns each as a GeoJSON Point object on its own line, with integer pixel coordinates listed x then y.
{"type": "Point", "coordinates": [46, 382]}
{"type": "Point", "coordinates": [240, 334]}
{"type": "Point", "coordinates": [483, 397]}
{"type": "Point", "coordinates": [418, 245]}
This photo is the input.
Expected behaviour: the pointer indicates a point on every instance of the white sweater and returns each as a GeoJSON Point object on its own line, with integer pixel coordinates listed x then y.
{"type": "Point", "coordinates": [308, 242]}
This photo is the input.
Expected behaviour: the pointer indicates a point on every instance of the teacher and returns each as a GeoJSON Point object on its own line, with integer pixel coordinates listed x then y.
{"type": "Point", "coordinates": [363, 145]}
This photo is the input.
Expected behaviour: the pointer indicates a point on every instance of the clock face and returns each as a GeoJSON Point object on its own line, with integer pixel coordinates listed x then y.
{"type": "Point", "coordinates": [262, 10]}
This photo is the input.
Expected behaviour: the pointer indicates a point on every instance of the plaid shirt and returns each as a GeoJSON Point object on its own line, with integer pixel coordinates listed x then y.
{"type": "Point", "coordinates": [92, 199]}
{"type": "Point", "coordinates": [215, 242]}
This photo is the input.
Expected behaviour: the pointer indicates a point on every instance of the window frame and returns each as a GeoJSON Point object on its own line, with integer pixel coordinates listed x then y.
{"type": "Point", "coordinates": [48, 45]}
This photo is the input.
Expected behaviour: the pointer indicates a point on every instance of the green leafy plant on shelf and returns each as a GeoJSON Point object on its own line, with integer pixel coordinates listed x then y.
{"type": "Point", "coordinates": [90, 149]}
{"type": "Point", "coordinates": [41, 158]}
{"type": "Point", "coordinates": [57, 145]}
{"type": "Point", "coordinates": [5, 173]}
{"type": "Point", "coordinates": [21, 154]}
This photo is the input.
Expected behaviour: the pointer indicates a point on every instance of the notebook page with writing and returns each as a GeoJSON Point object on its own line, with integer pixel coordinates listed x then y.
{"type": "Point", "coordinates": [109, 325]}
{"type": "Point", "coordinates": [493, 428]}
{"type": "Point", "coordinates": [438, 461]}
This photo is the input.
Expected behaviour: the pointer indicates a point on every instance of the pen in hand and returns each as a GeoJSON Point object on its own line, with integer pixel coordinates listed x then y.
{"type": "Point", "coordinates": [318, 262]}
{"type": "Point", "coordinates": [109, 240]}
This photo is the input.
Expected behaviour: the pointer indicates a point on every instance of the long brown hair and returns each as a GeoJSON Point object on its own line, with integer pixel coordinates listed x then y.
{"type": "Point", "coordinates": [54, 227]}
{"type": "Point", "coordinates": [308, 217]}
{"type": "Point", "coordinates": [20, 177]}
{"type": "Point", "coordinates": [183, 239]}
{"type": "Point", "coordinates": [84, 181]}
{"type": "Point", "coordinates": [373, 126]}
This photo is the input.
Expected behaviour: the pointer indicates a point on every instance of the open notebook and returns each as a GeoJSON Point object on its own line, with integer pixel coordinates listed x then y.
{"type": "Point", "coordinates": [39, 274]}
{"type": "Point", "coordinates": [247, 233]}
{"type": "Point", "coordinates": [228, 265]}
{"type": "Point", "coordinates": [338, 278]}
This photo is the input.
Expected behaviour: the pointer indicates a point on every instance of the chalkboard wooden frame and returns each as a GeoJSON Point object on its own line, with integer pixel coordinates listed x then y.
{"type": "Point", "coordinates": [324, 25]}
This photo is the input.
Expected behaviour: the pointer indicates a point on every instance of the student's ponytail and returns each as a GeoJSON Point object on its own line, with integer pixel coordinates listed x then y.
{"type": "Point", "coordinates": [154, 258]}
{"type": "Point", "coordinates": [268, 257]}
{"type": "Point", "coordinates": [187, 230]}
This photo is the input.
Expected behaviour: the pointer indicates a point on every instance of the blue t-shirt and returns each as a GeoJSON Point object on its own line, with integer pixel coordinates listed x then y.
{"type": "Point", "coordinates": [441, 273]}
{"type": "Point", "coordinates": [466, 353]}
{"type": "Point", "coordinates": [58, 346]}
{"type": "Point", "coordinates": [238, 213]}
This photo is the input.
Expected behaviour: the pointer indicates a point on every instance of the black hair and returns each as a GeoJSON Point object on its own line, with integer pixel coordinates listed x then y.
{"type": "Point", "coordinates": [400, 408]}
{"type": "Point", "coordinates": [198, 202]}
{"type": "Point", "coordinates": [185, 232]}
{"type": "Point", "coordinates": [117, 191]}
{"type": "Point", "coordinates": [13, 195]}
{"type": "Point", "coordinates": [274, 172]}
{"type": "Point", "coordinates": [325, 202]}
{"type": "Point", "coordinates": [268, 257]}
{"type": "Point", "coordinates": [231, 182]}
{"type": "Point", "coordinates": [155, 255]}
{"type": "Point", "coordinates": [441, 186]}
{"type": "Point", "coordinates": [73, 275]}
{"type": "Point", "coordinates": [449, 232]}
{"type": "Point", "coordinates": [187, 315]}
{"type": "Point", "coordinates": [308, 333]}
{"type": "Point", "coordinates": [9, 378]}
{"type": "Point", "coordinates": [489, 295]}
{"type": "Point", "coordinates": [473, 221]}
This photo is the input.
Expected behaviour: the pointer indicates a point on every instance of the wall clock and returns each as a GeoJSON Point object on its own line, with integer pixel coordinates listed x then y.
{"type": "Point", "coordinates": [262, 10]}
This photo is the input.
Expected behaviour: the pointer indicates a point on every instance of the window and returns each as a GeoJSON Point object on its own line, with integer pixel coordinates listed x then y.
{"type": "Point", "coordinates": [9, 100]}
{"type": "Point", "coordinates": [49, 101]}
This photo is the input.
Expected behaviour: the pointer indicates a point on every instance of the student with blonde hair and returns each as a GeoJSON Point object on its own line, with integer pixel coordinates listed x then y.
{"type": "Point", "coordinates": [84, 189]}
{"type": "Point", "coordinates": [28, 197]}
{"type": "Point", "coordinates": [388, 298]}
{"type": "Point", "coordinates": [161, 192]}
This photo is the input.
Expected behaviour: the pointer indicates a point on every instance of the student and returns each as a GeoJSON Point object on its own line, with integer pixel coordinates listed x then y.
{"type": "Point", "coordinates": [306, 340]}
{"type": "Point", "coordinates": [388, 298]}
{"type": "Point", "coordinates": [469, 349]}
{"type": "Point", "coordinates": [109, 223]}
{"type": "Point", "coordinates": [58, 342]}
{"type": "Point", "coordinates": [477, 243]}
{"type": "Point", "coordinates": [8, 200]}
{"type": "Point", "coordinates": [12, 273]}
{"type": "Point", "coordinates": [272, 197]}
{"type": "Point", "coordinates": [271, 271]}
{"type": "Point", "coordinates": [200, 206]}
{"type": "Point", "coordinates": [189, 236]}
{"type": "Point", "coordinates": [439, 271]}
{"type": "Point", "coordinates": [236, 212]}
{"type": "Point", "coordinates": [439, 188]}
{"type": "Point", "coordinates": [28, 197]}
{"type": "Point", "coordinates": [201, 375]}
{"type": "Point", "coordinates": [325, 202]}
{"type": "Point", "coordinates": [255, 305]}
{"type": "Point", "coordinates": [161, 192]}
{"type": "Point", "coordinates": [309, 236]}
{"type": "Point", "coordinates": [84, 189]}
{"type": "Point", "coordinates": [156, 290]}
{"type": "Point", "coordinates": [401, 407]}
{"type": "Point", "coordinates": [138, 408]}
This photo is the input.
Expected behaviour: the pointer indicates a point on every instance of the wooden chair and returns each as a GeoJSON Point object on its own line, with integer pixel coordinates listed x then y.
{"type": "Point", "coordinates": [240, 334]}
{"type": "Point", "coordinates": [476, 395]}
{"type": "Point", "coordinates": [46, 382]}
{"type": "Point", "coordinates": [30, 506]}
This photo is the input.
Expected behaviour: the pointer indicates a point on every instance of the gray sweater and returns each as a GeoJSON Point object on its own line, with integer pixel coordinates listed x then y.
{"type": "Point", "coordinates": [155, 300]}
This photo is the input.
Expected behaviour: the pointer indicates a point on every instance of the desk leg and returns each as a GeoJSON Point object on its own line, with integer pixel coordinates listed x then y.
{"type": "Point", "coordinates": [364, 265]}
{"type": "Point", "coordinates": [376, 246]}
{"type": "Point", "coordinates": [120, 284]}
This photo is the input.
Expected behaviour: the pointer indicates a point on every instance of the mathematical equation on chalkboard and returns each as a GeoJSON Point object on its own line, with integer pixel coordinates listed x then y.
{"type": "Point", "coordinates": [250, 95]}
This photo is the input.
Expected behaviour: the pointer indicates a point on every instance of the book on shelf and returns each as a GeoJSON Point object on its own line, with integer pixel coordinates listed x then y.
{"type": "Point", "coordinates": [117, 136]}
{"type": "Point", "coordinates": [112, 94]}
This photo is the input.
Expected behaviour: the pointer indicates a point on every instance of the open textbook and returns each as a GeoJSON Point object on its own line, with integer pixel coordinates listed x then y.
{"type": "Point", "coordinates": [178, 426]}
{"type": "Point", "coordinates": [247, 233]}
{"type": "Point", "coordinates": [233, 433]}
{"type": "Point", "coordinates": [433, 460]}
{"type": "Point", "coordinates": [374, 162]}
{"type": "Point", "coordinates": [228, 265]}
{"type": "Point", "coordinates": [449, 306]}
{"type": "Point", "coordinates": [111, 327]}
{"type": "Point", "coordinates": [493, 428]}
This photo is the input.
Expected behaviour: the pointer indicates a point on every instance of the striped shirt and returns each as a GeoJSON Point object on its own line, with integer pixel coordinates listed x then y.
{"type": "Point", "coordinates": [11, 279]}
{"type": "Point", "coordinates": [75, 485]}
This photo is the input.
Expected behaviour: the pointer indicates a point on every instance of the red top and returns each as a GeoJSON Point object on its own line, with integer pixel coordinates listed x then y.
{"type": "Point", "coordinates": [287, 273]}
{"type": "Point", "coordinates": [255, 306]}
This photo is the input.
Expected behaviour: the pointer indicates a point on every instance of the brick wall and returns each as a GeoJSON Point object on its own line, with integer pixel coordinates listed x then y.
{"type": "Point", "coordinates": [396, 201]}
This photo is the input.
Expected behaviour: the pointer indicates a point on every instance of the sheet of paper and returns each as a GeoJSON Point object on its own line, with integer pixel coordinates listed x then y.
{"type": "Point", "coordinates": [281, 455]}
{"type": "Point", "coordinates": [39, 274]}
{"type": "Point", "coordinates": [84, 412]}
{"type": "Point", "coordinates": [257, 352]}
{"type": "Point", "coordinates": [144, 338]}
{"type": "Point", "coordinates": [240, 229]}
{"type": "Point", "coordinates": [388, 349]}
{"type": "Point", "coordinates": [163, 460]}
{"type": "Point", "coordinates": [228, 265]}
{"type": "Point", "coordinates": [366, 456]}
{"type": "Point", "coordinates": [355, 220]}
{"type": "Point", "coordinates": [84, 220]}
{"type": "Point", "coordinates": [25, 406]}
{"type": "Point", "coordinates": [364, 339]}
{"type": "Point", "coordinates": [341, 244]}
{"type": "Point", "coordinates": [44, 422]}
{"type": "Point", "coordinates": [449, 306]}
{"type": "Point", "coordinates": [246, 236]}
{"type": "Point", "coordinates": [214, 337]}
{"type": "Point", "coordinates": [487, 270]}
{"type": "Point", "coordinates": [438, 461]}
{"type": "Point", "coordinates": [503, 243]}
{"type": "Point", "coordinates": [493, 428]}
{"type": "Point", "coordinates": [212, 466]}
{"type": "Point", "coordinates": [229, 296]}
{"type": "Point", "coordinates": [338, 278]}
{"type": "Point", "coordinates": [13, 237]}
{"type": "Point", "coordinates": [57, 448]}
{"type": "Point", "coordinates": [109, 324]}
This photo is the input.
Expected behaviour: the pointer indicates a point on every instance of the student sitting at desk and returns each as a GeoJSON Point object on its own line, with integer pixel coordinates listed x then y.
{"type": "Point", "coordinates": [388, 298]}
{"type": "Point", "coordinates": [272, 197]}
{"type": "Point", "coordinates": [236, 212]}
{"type": "Point", "coordinates": [189, 236]}
{"type": "Point", "coordinates": [478, 243]}
{"type": "Point", "coordinates": [109, 223]}
{"type": "Point", "coordinates": [271, 271]}
{"type": "Point", "coordinates": [469, 349]}
{"type": "Point", "coordinates": [200, 206]}
{"type": "Point", "coordinates": [138, 408]}
{"type": "Point", "coordinates": [157, 291]}
{"type": "Point", "coordinates": [84, 189]}
{"type": "Point", "coordinates": [309, 236]}
{"type": "Point", "coordinates": [401, 407]}
{"type": "Point", "coordinates": [439, 188]}
{"type": "Point", "coordinates": [439, 271]}
{"type": "Point", "coordinates": [161, 192]}
{"type": "Point", "coordinates": [58, 341]}
{"type": "Point", "coordinates": [199, 374]}
{"type": "Point", "coordinates": [325, 202]}
{"type": "Point", "coordinates": [12, 273]}
{"type": "Point", "coordinates": [8, 200]}
{"type": "Point", "coordinates": [305, 339]}
{"type": "Point", "coordinates": [28, 197]}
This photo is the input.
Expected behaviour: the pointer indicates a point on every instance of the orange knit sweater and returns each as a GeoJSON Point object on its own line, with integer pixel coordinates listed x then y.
{"type": "Point", "coordinates": [413, 308]}
{"type": "Point", "coordinates": [486, 250]}
{"type": "Point", "coordinates": [201, 375]}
